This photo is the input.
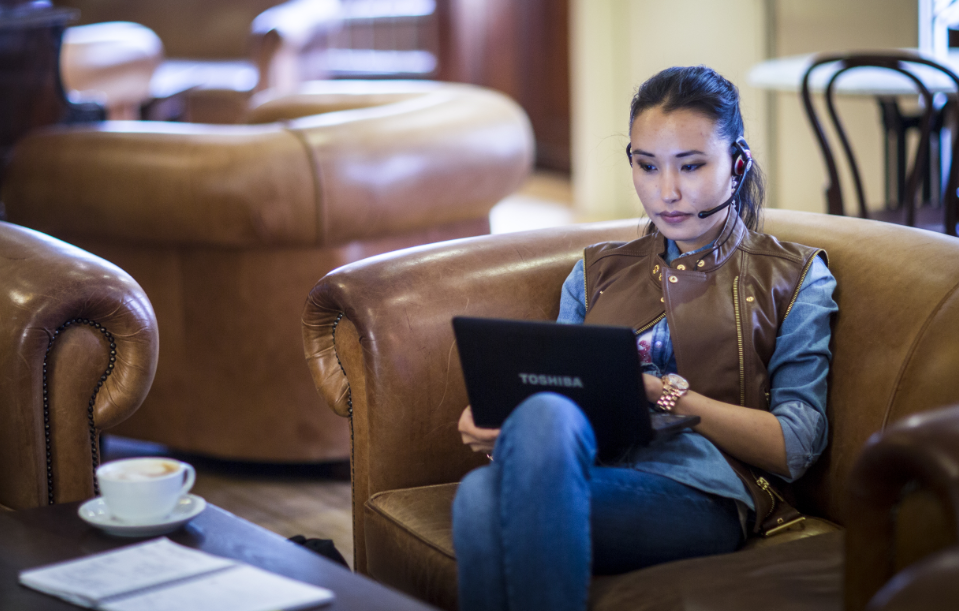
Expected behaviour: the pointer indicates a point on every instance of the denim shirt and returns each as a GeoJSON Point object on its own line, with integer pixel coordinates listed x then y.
{"type": "Point", "coordinates": [798, 370]}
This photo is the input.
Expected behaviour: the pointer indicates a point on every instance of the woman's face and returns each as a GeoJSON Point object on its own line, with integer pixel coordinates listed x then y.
{"type": "Point", "coordinates": [681, 166]}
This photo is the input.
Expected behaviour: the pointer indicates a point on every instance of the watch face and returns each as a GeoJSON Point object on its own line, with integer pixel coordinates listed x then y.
{"type": "Point", "coordinates": [676, 381]}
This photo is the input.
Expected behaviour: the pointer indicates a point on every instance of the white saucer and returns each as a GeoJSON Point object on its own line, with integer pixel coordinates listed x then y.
{"type": "Point", "coordinates": [96, 513]}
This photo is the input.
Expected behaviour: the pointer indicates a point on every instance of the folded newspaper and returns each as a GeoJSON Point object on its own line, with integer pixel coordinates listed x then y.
{"type": "Point", "coordinates": [160, 574]}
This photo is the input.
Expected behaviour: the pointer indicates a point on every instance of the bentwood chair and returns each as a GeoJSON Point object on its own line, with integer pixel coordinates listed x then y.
{"type": "Point", "coordinates": [918, 70]}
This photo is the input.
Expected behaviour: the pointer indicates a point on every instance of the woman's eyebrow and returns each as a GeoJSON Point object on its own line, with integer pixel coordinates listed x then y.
{"type": "Point", "coordinates": [678, 155]}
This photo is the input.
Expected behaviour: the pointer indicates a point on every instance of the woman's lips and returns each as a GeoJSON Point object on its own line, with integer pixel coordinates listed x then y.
{"type": "Point", "coordinates": [674, 217]}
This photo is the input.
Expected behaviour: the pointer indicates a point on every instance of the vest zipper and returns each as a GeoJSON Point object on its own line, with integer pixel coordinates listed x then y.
{"type": "Point", "coordinates": [801, 280]}
{"type": "Point", "coordinates": [773, 495]}
{"type": "Point", "coordinates": [739, 341]}
{"type": "Point", "coordinates": [648, 325]}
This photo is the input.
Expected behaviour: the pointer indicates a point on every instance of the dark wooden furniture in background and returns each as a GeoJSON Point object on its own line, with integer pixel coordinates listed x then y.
{"type": "Point", "coordinates": [31, 94]}
{"type": "Point", "coordinates": [521, 49]}
{"type": "Point", "coordinates": [36, 537]}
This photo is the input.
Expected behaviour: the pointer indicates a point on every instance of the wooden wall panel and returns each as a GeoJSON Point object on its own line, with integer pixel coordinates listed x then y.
{"type": "Point", "coordinates": [521, 49]}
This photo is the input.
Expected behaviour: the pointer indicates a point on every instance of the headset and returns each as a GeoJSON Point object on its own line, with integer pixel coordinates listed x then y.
{"type": "Point", "coordinates": [742, 163]}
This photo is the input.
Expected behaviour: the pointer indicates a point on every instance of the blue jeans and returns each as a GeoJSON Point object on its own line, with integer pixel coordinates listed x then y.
{"type": "Point", "coordinates": [532, 528]}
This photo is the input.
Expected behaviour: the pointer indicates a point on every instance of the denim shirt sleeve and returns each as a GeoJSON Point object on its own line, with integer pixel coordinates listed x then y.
{"type": "Point", "coordinates": [799, 367]}
{"type": "Point", "coordinates": [572, 300]}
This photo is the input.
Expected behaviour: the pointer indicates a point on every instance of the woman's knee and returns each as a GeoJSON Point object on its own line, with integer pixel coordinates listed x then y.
{"type": "Point", "coordinates": [547, 410]}
{"type": "Point", "coordinates": [547, 422]}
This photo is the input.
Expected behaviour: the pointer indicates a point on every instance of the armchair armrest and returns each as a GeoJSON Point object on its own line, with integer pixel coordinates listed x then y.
{"type": "Point", "coordinates": [78, 351]}
{"type": "Point", "coordinates": [288, 40]}
{"type": "Point", "coordinates": [918, 454]}
{"type": "Point", "coordinates": [930, 585]}
{"type": "Point", "coordinates": [378, 341]}
{"type": "Point", "coordinates": [444, 157]}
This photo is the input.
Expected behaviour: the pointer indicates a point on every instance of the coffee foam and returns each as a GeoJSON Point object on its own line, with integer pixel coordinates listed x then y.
{"type": "Point", "coordinates": [140, 470]}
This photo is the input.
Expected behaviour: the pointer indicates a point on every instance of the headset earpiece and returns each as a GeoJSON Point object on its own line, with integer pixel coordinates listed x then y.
{"type": "Point", "coordinates": [629, 153]}
{"type": "Point", "coordinates": [742, 158]}
{"type": "Point", "coordinates": [739, 166]}
{"type": "Point", "coordinates": [742, 162]}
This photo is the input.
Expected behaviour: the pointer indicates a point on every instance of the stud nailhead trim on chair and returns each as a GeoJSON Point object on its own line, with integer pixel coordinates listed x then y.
{"type": "Point", "coordinates": [94, 449]}
{"type": "Point", "coordinates": [349, 403]}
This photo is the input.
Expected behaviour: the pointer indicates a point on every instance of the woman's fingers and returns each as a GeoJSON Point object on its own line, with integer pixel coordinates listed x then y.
{"type": "Point", "coordinates": [478, 439]}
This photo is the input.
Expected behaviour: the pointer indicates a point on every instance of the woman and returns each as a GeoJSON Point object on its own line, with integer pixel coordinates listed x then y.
{"type": "Point", "coordinates": [727, 319]}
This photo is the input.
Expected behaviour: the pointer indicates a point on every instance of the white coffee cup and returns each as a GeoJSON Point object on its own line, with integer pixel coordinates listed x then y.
{"type": "Point", "coordinates": [144, 490]}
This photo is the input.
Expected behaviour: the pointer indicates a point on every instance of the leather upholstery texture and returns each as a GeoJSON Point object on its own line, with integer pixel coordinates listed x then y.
{"type": "Point", "coordinates": [228, 227]}
{"type": "Point", "coordinates": [378, 339]}
{"type": "Point", "coordinates": [44, 284]}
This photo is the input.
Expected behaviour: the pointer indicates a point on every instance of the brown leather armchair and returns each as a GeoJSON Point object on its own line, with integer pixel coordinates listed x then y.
{"type": "Point", "coordinates": [110, 64]}
{"type": "Point", "coordinates": [228, 227]}
{"type": "Point", "coordinates": [218, 52]}
{"type": "Point", "coordinates": [378, 339]}
{"type": "Point", "coordinates": [78, 350]}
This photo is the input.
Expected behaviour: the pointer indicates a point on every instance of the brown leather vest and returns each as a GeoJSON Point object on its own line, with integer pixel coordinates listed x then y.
{"type": "Point", "coordinates": [724, 306]}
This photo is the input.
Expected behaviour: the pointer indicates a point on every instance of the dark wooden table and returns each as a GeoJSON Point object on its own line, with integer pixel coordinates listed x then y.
{"type": "Point", "coordinates": [36, 537]}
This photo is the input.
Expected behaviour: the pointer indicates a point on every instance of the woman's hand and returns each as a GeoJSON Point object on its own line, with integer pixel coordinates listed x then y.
{"type": "Point", "coordinates": [478, 439]}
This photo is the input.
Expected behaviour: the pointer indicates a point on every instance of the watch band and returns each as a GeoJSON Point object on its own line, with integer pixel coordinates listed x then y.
{"type": "Point", "coordinates": [674, 387]}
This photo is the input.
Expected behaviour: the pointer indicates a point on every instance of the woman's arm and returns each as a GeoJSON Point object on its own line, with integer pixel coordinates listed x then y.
{"type": "Point", "coordinates": [751, 435]}
{"type": "Point", "coordinates": [789, 438]}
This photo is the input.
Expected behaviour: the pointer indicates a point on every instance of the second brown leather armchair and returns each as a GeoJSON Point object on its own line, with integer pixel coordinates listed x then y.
{"type": "Point", "coordinates": [228, 227]}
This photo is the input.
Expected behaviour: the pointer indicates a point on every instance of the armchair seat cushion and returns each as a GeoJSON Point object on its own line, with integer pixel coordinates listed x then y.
{"type": "Point", "coordinates": [802, 574]}
{"type": "Point", "coordinates": [413, 546]}
{"type": "Point", "coordinates": [410, 543]}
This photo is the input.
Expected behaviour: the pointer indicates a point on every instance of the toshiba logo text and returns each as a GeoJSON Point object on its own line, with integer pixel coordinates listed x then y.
{"type": "Point", "coordinates": [539, 379]}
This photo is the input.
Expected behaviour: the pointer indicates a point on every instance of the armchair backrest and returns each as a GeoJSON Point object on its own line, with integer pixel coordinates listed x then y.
{"type": "Point", "coordinates": [416, 156]}
{"type": "Point", "coordinates": [378, 339]}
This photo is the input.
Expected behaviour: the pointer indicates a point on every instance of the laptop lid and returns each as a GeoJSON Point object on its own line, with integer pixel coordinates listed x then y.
{"type": "Point", "coordinates": [506, 361]}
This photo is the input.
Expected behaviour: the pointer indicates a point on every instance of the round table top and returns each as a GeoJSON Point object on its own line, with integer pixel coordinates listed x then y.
{"type": "Point", "coordinates": [786, 74]}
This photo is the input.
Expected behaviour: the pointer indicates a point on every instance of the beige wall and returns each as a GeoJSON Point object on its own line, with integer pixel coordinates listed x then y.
{"type": "Point", "coordinates": [617, 44]}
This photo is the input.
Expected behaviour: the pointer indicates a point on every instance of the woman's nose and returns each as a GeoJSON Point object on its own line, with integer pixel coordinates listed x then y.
{"type": "Point", "coordinates": [669, 187]}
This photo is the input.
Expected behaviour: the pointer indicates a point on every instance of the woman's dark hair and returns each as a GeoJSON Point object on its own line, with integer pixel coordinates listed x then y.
{"type": "Point", "coordinates": [705, 91]}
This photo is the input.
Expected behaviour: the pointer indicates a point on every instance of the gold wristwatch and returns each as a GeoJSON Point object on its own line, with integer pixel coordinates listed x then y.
{"type": "Point", "coordinates": [674, 387]}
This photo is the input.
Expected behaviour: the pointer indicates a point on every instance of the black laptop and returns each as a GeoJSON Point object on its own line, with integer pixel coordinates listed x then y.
{"type": "Point", "coordinates": [506, 361]}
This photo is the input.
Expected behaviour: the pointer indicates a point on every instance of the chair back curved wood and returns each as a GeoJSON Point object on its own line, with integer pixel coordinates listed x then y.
{"type": "Point", "coordinates": [903, 63]}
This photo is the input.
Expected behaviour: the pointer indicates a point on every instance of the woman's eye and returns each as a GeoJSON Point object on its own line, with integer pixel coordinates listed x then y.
{"type": "Point", "coordinates": [692, 167]}
{"type": "Point", "coordinates": [646, 167]}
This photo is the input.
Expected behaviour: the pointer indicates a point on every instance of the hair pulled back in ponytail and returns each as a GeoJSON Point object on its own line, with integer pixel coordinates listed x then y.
{"type": "Point", "coordinates": [703, 90]}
